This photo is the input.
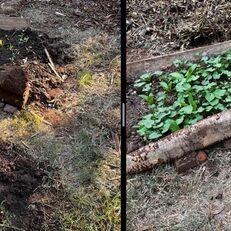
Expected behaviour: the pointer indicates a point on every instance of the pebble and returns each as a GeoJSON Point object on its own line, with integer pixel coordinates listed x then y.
{"type": "Point", "coordinates": [9, 109]}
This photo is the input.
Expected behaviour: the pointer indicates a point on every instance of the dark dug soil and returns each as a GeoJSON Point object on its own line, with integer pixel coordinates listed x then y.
{"type": "Point", "coordinates": [28, 44]}
{"type": "Point", "coordinates": [20, 180]}
{"type": "Point", "coordinates": [103, 15]}
{"type": "Point", "coordinates": [158, 27]}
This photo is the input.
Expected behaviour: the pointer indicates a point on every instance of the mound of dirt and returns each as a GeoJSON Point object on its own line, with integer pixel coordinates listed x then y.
{"type": "Point", "coordinates": [160, 26]}
{"type": "Point", "coordinates": [20, 177]}
{"type": "Point", "coordinates": [27, 44]}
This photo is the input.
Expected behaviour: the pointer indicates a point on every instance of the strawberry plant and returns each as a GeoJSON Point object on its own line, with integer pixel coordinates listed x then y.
{"type": "Point", "coordinates": [193, 91]}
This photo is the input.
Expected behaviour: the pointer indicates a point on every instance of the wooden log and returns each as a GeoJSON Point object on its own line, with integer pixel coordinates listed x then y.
{"type": "Point", "coordinates": [195, 137]}
{"type": "Point", "coordinates": [13, 23]}
{"type": "Point", "coordinates": [190, 161]}
{"type": "Point", "coordinates": [14, 85]}
{"type": "Point", "coordinates": [136, 68]}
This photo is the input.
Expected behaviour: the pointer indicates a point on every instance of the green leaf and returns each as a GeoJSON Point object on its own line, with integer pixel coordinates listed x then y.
{"type": "Point", "coordinates": [180, 120]}
{"type": "Point", "coordinates": [220, 106]}
{"type": "Point", "coordinates": [166, 127]}
{"type": "Point", "coordinates": [209, 108]}
{"type": "Point", "coordinates": [154, 135]}
{"type": "Point", "coordinates": [158, 73]}
{"type": "Point", "coordinates": [147, 87]}
{"type": "Point", "coordinates": [164, 85]}
{"type": "Point", "coordinates": [191, 101]}
{"type": "Point", "coordinates": [219, 92]}
{"type": "Point", "coordinates": [214, 102]}
{"type": "Point", "coordinates": [174, 126]}
{"type": "Point", "coordinates": [146, 77]}
{"type": "Point", "coordinates": [228, 99]}
{"type": "Point", "coordinates": [190, 70]}
{"type": "Point", "coordinates": [200, 109]}
{"type": "Point", "coordinates": [181, 87]}
{"type": "Point", "coordinates": [177, 75]}
{"type": "Point", "coordinates": [228, 73]}
{"type": "Point", "coordinates": [209, 96]}
{"type": "Point", "coordinates": [139, 84]}
{"type": "Point", "coordinates": [186, 109]}
{"type": "Point", "coordinates": [195, 119]}
{"type": "Point", "coordinates": [142, 131]}
{"type": "Point", "coordinates": [149, 99]}
{"type": "Point", "coordinates": [216, 75]}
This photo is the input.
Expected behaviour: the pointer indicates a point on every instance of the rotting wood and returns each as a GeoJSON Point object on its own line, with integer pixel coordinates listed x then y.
{"type": "Point", "coordinates": [195, 137]}
{"type": "Point", "coordinates": [14, 86]}
{"type": "Point", "coordinates": [136, 68]}
{"type": "Point", "coordinates": [13, 23]}
{"type": "Point", "coordinates": [190, 161]}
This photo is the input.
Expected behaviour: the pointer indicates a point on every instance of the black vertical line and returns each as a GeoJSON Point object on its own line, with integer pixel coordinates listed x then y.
{"type": "Point", "coordinates": [123, 114]}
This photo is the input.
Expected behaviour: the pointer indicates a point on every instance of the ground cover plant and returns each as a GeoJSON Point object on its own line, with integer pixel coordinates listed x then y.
{"type": "Point", "coordinates": [184, 94]}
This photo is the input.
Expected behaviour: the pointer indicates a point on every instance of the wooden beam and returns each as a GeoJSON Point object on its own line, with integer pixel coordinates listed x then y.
{"type": "Point", "coordinates": [13, 23]}
{"type": "Point", "coordinates": [178, 144]}
{"type": "Point", "coordinates": [136, 68]}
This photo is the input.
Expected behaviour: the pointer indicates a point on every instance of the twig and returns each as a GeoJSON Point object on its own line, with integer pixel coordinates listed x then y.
{"type": "Point", "coordinates": [56, 73]}
{"type": "Point", "coordinates": [27, 146]}
{"type": "Point", "coordinates": [51, 64]}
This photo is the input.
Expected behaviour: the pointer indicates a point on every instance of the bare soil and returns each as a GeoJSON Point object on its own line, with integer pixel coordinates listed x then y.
{"type": "Point", "coordinates": [20, 179]}
{"type": "Point", "coordinates": [22, 44]}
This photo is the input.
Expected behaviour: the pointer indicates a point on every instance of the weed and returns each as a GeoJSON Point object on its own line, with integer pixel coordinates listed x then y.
{"type": "Point", "coordinates": [85, 78]}
{"type": "Point", "coordinates": [183, 97]}
{"type": "Point", "coordinates": [28, 118]}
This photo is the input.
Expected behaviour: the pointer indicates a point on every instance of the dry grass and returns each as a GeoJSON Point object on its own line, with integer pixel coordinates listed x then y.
{"type": "Point", "coordinates": [85, 150]}
{"type": "Point", "coordinates": [165, 201]}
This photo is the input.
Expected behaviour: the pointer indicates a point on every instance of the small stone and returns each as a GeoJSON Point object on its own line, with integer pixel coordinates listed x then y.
{"type": "Point", "coordinates": [9, 109]}
{"type": "Point", "coordinates": [2, 104]}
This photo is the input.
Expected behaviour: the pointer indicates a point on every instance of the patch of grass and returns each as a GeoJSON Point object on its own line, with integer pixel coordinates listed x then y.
{"type": "Point", "coordinates": [92, 209]}
{"type": "Point", "coordinates": [27, 118]}
{"type": "Point", "coordinates": [85, 78]}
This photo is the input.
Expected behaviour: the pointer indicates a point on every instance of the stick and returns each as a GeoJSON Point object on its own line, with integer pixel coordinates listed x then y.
{"type": "Point", "coordinates": [51, 65]}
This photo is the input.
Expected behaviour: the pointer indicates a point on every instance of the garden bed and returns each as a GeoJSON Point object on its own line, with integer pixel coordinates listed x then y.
{"type": "Point", "coordinates": [200, 85]}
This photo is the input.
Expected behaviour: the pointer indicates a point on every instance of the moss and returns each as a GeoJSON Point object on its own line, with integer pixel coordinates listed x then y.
{"type": "Point", "coordinates": [28, 118]}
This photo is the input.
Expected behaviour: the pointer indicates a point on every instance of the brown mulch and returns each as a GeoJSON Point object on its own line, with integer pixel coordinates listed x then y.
{"type": "Point", "coordinates": [159, 27]}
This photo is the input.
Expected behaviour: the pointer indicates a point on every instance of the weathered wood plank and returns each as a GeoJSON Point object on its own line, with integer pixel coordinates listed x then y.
{"type": "Point", "coordinates": [13, 23]}
{"type": "Point", "coordinates": [136, 68]}
{"type": "Point", "coordinates": [178, 144]}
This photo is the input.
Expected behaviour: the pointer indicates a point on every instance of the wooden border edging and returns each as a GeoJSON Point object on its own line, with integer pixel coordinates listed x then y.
{"type": "Point", "coordinates": [178, 144]}
{"type": "Point", "coordinates": [135, 69]}
{"type": "Point", "coordinates": [13, 23]}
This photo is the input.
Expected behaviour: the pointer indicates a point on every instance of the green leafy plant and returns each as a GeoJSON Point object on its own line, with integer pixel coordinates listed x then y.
{"type": "Point", "coordinates": [184, 96]}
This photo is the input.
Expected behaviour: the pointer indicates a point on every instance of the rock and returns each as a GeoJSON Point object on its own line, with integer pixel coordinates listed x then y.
{"type": "Point", "coordinates": [9, 109]}
{"type": "Point", "coordinates": [2, 104]}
